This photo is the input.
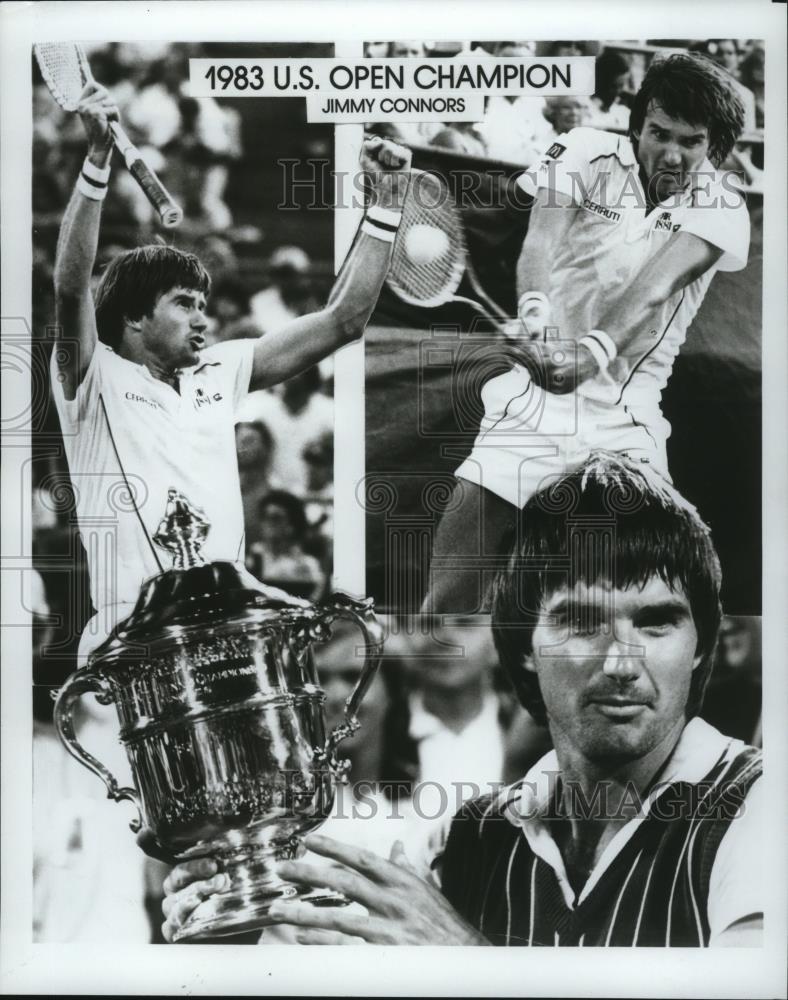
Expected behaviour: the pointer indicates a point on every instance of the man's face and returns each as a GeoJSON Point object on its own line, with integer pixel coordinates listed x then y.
{"type": "Point", "coordinates": [727, 55]}
{"type": "Point", "coordinates": [175, 331]}
{"type": "Point", "coordinates": [275, 524]}
{"type": "Point", "coordinates": [517, 50]}
{"type": "Point", "coordinates": [339, 666]}
{"type": "Point", "coordinates": [568, 113]}
{"type": "Point", "coordinates": [454, 657]}
{"type": "Point", "coordinates": [406, 50]}
{"type": "Point", "coordinates": [252, 449]}
{"type": "Point", "coordinates": [614, 667]}
{"type": "Point", "coordinates": [669, 150]}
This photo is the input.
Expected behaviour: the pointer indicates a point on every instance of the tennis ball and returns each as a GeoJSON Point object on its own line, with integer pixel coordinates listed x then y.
{"type": "Point", "coordinates": [424, 244]}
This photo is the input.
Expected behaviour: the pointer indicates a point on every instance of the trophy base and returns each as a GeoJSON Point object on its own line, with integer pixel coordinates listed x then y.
{"type": "Point", "coordinates": [243, 906]}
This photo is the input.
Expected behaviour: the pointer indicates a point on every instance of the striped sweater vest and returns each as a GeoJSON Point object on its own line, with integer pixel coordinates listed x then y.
{"type": "Point", "coordinates": [654, 893]}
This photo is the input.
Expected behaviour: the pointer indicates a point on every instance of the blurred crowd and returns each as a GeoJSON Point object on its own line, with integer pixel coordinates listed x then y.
{"type": "Point", "coordinates": [519, 128]}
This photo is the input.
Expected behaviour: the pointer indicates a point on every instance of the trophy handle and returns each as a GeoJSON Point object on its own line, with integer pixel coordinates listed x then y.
{"type": "Point", "coordinates": [79, 683]}
{"type": "Point", "coordinates": [361, 614]}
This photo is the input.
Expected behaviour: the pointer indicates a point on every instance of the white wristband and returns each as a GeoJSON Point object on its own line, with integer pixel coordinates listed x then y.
{"type": "Point", "coordinates": [90, 190]}
{"type": "Point", "coordinates": [385, 216]}
{"type": "Point", "coordinates": [606, 342]}
{"type": "Point", "coordinates": [598, 353]}
{"type": "Point", "coordinates": [379, 233]}
{"type": "Point", "coordinates": [98, 174]}
{"type": "Point", "coordinates": [92, 181]}
{"type": "Point", "coordinates": [381, 223]}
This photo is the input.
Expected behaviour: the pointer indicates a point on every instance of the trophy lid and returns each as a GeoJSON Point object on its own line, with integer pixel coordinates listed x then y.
{"type": "Point", "coordinates": [195, 594]}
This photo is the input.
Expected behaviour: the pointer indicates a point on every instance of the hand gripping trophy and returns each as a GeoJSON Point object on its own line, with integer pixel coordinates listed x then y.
{"type": "Point", "coordinates": [220, 711]}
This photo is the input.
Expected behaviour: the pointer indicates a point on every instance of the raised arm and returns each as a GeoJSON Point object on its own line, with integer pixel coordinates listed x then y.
{"type": "Point", "coordinates": [78, 240]}
{"type": "Point", "coordinates": [308, 339]}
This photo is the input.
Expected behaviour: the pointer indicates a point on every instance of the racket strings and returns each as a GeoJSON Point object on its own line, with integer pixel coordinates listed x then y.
{"type": "Point", "coordinates": [63, 71]}
{"type": "Point", "coordinates": [434, 282]}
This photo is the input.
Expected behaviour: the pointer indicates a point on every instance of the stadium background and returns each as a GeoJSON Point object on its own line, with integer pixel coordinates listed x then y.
{"type": "Point", "coordinates": [421, 417]}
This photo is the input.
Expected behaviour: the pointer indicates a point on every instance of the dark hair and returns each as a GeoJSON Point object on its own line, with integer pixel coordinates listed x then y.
{"type": "Point", "coordinates": [609, 520]}
{"type": "Point", "coordinates": [232, 288]}
{"type": "Point", "coordinates": [135, 280]}
{"type": "Point", "coordinates": [693, 89]}
{"type": "Point", "coordinates": [609, 65]}
{"type": "Point", "coordinates": [261, 429]}
{"type": "Point", "coordinates": [293, 507]}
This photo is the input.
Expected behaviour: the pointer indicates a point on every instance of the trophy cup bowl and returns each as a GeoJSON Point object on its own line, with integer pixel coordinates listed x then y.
{"type": "Point", "coordinates": [221, 714]}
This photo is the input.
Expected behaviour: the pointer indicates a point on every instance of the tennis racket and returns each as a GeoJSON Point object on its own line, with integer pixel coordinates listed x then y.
{"type": "Point", "coordinates": [66, 71]}
{"type": "Point", "coordinates": [429, 205]}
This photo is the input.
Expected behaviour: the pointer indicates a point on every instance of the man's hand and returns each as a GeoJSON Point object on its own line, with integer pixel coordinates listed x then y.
{"type": "Point", "coordinates": [97, 109]}
{"type": "Point", "coordinates": [558, 366]}
{"type": "Point", "coordinates": [387, 168]}
{"type": "Point", "coordinates": [401, 907]}
{"type": "Point", "coordinates": [185, 888]}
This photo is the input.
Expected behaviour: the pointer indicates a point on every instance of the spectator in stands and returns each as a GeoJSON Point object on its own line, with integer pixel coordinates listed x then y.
{"type": "Point", "coordinates": [192, 141]}
{"type": "Point", "coordinates": [462, 138]}
{"type": "Point", "coordinates": [514, 128]}
{"type": "Point", "coordinates": [376, 50]}
{"type": "Point", "coordinates": [725, 52]}
{"type": "Point", "coordinates": [296, 415]}
{"type": "Point", "coordinates": [569, 49]}
{"type": "Point", "coordinates": [450, 722]}
{"type": "Point", "coordinates": [610, 103]}
{"type": "Point", "coordinates": [255, 448]}
{"type": "Point", "coordinates": [278, 558]}
{"type": "Point", "coordinates": [229, 312]}
{"type": "Point", "coordinates": [318, 457]}
{"type": "Point", "coordinates": [751, 76]}
{"type": "Point", "coordinates": [564, 113]}
{"type": "Point", "coordinates": [289, 293]}
{"type": "Point", "coordinates": [733, 698]}
{"type": "Point", "coordinates": [406, 50]}
{"type": "Point", "coordinates": [709, 49]}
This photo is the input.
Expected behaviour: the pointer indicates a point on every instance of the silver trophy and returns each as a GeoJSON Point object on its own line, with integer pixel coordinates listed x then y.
{"type": "Point", "coordinates": [221, 714]}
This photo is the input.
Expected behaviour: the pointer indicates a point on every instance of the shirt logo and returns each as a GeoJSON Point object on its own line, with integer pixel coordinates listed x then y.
{"type": "Point", "coordinates": [202, 398]}
{"type": "Point", "coordinates": [601, 211]}
{"type": "Point", "coordinates": [665, 223]}
{"type": "Point", "coordinates": [555, 150]}
{"type": "Point", "coordinates": [135, 398]}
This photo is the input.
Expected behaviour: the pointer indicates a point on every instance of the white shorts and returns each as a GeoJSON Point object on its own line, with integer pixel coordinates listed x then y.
{"type": "Point", "coordinates": [529, 437]}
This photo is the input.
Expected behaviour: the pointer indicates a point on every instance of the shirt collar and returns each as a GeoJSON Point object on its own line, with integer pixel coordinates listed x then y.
{"type": "Point", "coordinates": [698, 749]}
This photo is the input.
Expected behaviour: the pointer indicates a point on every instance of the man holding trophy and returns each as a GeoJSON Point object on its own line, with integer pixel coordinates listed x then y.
{"type": "Point", "coordinates": [644, 826]}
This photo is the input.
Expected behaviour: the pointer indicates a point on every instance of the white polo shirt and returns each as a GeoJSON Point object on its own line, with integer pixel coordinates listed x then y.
{"type": "Point", "coordinates": [128, 432]}
{"type": "Point", "coordinates": [611, 240]}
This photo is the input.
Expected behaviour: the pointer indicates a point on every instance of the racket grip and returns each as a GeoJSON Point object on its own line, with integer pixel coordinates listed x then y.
{"type": "Point", "coordinates": [169, 212]}
{"type": "Point", "coordinates": [157, 194]}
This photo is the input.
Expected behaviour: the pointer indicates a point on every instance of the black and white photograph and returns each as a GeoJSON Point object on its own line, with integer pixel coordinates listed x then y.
{"type": "Point", "coordinates": [394, 493]}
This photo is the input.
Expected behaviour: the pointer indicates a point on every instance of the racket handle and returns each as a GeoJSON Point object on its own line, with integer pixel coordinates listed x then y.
{"type": "Point", "coordinates": [157, 194]}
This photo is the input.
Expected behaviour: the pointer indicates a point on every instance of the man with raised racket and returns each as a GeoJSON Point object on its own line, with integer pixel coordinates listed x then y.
{"type": "Point", "coordinates": [144, 405]}
{"type": "Point", "coordinates": [625, 235]}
